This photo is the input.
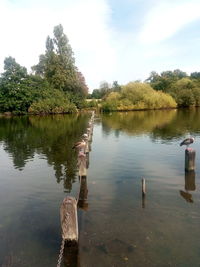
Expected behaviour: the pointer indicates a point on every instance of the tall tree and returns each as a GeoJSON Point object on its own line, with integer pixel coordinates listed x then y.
{"type": "Point", "coordinates": [57, 65]}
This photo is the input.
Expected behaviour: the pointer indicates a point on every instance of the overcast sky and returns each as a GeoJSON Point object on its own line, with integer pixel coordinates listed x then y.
{"type": "Point", "coordinates": [121, 40]}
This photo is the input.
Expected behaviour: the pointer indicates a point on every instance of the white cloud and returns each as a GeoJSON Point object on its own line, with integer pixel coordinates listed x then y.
{"type": "Point", "coordinates": [101, 52]}
{"type": "Point", "coordinates": [167, 18]}
{"type": "Point", "coordinates": [24, 31]}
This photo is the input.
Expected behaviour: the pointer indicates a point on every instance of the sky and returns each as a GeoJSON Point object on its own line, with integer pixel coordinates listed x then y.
{"type": "Point", "coordinates": [112, 40]}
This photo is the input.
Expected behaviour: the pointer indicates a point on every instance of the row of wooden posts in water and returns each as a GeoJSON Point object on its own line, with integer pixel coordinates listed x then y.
{"type": "Point", "coordinates": [69, 205]}
{"type": "Point", "coordinates": [68, 209]}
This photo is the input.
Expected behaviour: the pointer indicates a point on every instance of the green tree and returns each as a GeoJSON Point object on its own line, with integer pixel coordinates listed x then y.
{"type": "Point", "coordinates": [195, 75]}
{"type": "Point", "coordinates": [96, 94]}
{"type": "Point", "coordinates": [57, 65]}
{"type": "Point", "coordinates": [165, 80]}
{"type": "Point", "coordinates": [14, 95]}
{"type": "Point", "coordinates": [116, 87]}
{"type": "Point", "coordinates": [186, 92]}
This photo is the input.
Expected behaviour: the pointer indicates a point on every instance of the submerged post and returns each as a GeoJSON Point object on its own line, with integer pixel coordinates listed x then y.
{"type": "Point", "coordinates": [143, 192]}
{"type": "Point", "coordinates": [190, 159]}
{"type": "Point", "coordinates": [69, 222]}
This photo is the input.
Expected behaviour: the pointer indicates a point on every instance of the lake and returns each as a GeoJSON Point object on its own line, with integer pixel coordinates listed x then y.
{"type": "Point", "coordinates": [117, 227]}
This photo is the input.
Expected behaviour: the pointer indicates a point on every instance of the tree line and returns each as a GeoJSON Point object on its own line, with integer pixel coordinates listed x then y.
{"type": "Point", "coordinates": [168, 89]}
{"type": "Point", "coordinates": [55, 84]}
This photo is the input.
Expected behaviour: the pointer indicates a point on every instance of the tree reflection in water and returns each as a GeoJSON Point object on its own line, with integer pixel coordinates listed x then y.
{"type": "Point", "coordinates": [51, 137]}
{"type": "Point", "coordinates": [163, 125]}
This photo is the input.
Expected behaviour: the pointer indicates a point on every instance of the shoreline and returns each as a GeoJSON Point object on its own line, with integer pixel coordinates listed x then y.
{"type": "Point", "coordinates": [10, 114]}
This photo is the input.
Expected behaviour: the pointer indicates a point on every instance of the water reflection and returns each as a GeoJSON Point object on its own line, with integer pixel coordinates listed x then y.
{"type": "Point", "coordinates": [71, 256]}
{"type": "Point", "coordinates": [190, 181]}
{"type": "Point", "coordinates": [82, 200]}
{"type": "Point", "coordinates": [165, 125]}
{"type": "Point", "coordinates": [50, 137]}
{"type": "Point", "coordinates": [143, 201]}
{"type": "Point", "coordinates": [189, 186]}
{"type": "Point", "coordinates": [187, 196]}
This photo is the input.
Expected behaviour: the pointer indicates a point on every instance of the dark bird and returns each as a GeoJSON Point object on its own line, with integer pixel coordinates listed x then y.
{"type": "Point", "coordinates": [187, 141]}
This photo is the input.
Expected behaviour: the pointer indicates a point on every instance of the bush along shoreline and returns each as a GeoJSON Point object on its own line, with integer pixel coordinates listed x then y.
{"type": "Point", "coordinates": [137, 96]}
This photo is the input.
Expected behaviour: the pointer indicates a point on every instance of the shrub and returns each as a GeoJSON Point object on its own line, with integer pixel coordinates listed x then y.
{"type": "Point", "coordinates": [56, 103]}
{"type": "Point", "coordinates": [137, 96]}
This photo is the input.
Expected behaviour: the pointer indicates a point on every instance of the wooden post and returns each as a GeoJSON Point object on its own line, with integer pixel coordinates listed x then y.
{"type": "Point", "coordinates": [89, 134]}
{"type": "Point", "coordinates": [87, 160]}
{"type": "Point", "coordinates": [190, 181]}
{"type": "Point", "coordinates": [69, 222]}
{"type": "Point", "coordinates": [86, 148]}
{"type": "Point", "coordinates": [143, 187]}
{"type": "Point", "coordinates": [82, 200]}
{"type": "Point", "coordinates": [82, 164]}
{"type": "Point", "coordinates": [190, 159]}
{"type": "Point", "coordinates": [143, 192]}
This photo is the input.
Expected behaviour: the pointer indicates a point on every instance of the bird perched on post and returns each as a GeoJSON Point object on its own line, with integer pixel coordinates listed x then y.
{"type": "Point", "coordinates": [85, 136]}
{"type": "Point", "coordinates": [187, 141]}
{"type": "Point", "coordinates": [80, 145]}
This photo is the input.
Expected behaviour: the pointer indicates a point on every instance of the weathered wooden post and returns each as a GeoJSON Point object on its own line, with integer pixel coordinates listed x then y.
{"type": "Point", "coordinates": [190, 159]}
{"type": "Point", "coordinates": [82, 200]}
{"type": "Point", "coordinates": [87, 147]}
{"type": "Point", "coordinates": [143, 192]}
{"type": "Point", "coordinates": [82, 164]}
{"type": "Point", "coordinates": [143, 187]}
{"type": "Point", "coordinates": [89, 134]}
{"type": "Point", "coordinates": [87, 160]}
{"type": "Point", "coordinates": [69, 222]}
{"type": "Point", "coordinates": [190, 181]}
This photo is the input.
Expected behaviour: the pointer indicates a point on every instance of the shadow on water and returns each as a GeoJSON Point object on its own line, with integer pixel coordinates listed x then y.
{"type": "Point", "coordinates": [51, 137]}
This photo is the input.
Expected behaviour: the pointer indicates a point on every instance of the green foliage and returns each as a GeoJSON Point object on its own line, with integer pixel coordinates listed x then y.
{"type": "Point", "coordinates": [136, 96]}
{"type": "Point", "coordinates": [195, 75]}
{"type": "Point", "coordinates": [91, 104]}
{"type": "Point", "coordinates": [186, 92]}
{"type": "Point", "coordinates": [55, 103]}
{"type": "Point", "coordinates": [18, 89]}
{"type": "Point", "coordinates": [165, 80]}
{"type": "Point", "coordinates": [57, 65]}
{"type": "Point", "coordinates": [56, 70]}
{"type": "Point", "coordinates": [105, 89]}
{"type": "Point", "coordinates": [96, 94]}
{"type": "Point", "coordinates": [184, 89]}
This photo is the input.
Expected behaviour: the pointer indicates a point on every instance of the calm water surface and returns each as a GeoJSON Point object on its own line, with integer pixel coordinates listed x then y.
{"type": "Point", "coordinates": [38, 169]}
